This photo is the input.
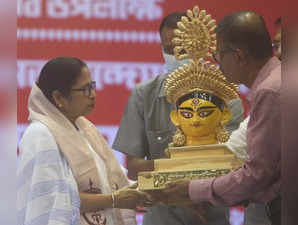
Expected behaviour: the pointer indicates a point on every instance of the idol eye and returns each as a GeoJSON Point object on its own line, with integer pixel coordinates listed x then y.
{"type": "Point", "coordinates": [187, 115]}
{"type": "Point", "coordinates": [205, 113]}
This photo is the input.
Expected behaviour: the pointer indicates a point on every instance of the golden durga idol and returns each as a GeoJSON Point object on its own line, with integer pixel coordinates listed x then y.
{"type": "Point", "coordinates": [201, 94]}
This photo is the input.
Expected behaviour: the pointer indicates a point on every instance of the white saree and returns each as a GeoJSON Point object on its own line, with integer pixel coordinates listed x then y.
{"type": "Point", "coordinates": [47, 192]}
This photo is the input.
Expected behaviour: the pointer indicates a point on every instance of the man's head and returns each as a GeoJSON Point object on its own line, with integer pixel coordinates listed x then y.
{"type": "Point", "coordinates": [166, 31]}
{"type": "Point", "coordinates": [243, 45]}
{"type": "Point", "coordinates": [277, 38]}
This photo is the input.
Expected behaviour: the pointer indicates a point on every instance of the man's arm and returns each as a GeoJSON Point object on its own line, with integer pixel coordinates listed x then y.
{"type": "Point", "coordinates": [131, 137]}
{"type": "Point", "coordinates": [136, 165]}
{"type": "Point", "coordinates": [260, 171]}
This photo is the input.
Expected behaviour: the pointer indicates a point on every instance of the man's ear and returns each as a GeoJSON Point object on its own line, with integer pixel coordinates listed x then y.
{"type": "Point", "coordinates": [174, 117]}
{"type": "Point", "coordinates": [241, 56]}
{"type": "Point", "coordinates": [227, 115]}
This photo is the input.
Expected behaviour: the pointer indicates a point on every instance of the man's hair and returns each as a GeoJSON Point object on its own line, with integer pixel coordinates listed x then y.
{"type": "Point", "coordinates": [60, 74]}
{"type": "Point", "coordinates": [246, 30]}
{"type": "Point", "coordinates": [277, 22]}
{"type": "Point", "coordinates": [171, 20]}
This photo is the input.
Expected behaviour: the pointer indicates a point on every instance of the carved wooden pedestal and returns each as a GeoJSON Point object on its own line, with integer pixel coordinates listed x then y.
{"type": "Point", "coordinates": [189, 162]}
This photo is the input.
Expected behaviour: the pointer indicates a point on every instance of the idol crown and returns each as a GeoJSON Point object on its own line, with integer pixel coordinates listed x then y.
{"type": "Point", "coordinates": [195, 39]}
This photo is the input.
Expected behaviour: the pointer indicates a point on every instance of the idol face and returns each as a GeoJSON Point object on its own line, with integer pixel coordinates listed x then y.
{"type": "Point", "coordinates": [198, 117]}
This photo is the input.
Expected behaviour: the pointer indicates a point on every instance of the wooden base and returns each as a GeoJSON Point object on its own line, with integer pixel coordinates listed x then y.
{"type": "Point", "coordinates": [189, 162]}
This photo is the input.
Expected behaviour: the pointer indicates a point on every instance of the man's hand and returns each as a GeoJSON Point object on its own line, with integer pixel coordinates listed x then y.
{"type": "Point", "coordinates": [130, 198]}
{"type": "Point", "coordinates": [177, 191]}
{"type": "Point", "coordinates": [136, 165]}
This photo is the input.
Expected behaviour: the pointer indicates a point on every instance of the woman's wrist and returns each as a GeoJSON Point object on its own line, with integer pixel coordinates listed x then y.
{"type": "Point", "coordinates": [113, 200]}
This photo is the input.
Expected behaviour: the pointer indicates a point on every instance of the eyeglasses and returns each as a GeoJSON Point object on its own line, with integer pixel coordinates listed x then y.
{"type": "Point", "coordinates": [87, 90]}
{"type": "Point", "coordinates": [276, 45]}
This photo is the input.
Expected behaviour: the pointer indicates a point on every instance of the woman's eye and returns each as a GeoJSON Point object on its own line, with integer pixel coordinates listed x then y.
{"type": "Point", "coordinates": [186, 114]}
{"type": "Point", "coordinates": [205, 113]}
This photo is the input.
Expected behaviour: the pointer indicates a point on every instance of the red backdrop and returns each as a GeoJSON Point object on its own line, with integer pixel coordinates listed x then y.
{"type": "Point", "coordinates": [118, 39]}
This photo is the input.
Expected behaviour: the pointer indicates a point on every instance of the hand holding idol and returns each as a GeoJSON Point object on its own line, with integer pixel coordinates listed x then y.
{"type": "Point", "coordinates": [131, 198]}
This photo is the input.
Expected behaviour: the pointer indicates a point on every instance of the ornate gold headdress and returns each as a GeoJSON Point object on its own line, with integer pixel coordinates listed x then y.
{"type": "Point", "coordinates": [196, 40]}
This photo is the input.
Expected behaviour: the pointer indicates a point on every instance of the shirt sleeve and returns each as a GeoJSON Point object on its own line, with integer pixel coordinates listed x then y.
{"type": "Point", "coordinates": [47, 192]}
{"type": "Point", "coordinates": [260, 171]}
{"type": "Point", "coordinates": [131, 137]}
{"type": "Point", "coordinates": [237, 115]}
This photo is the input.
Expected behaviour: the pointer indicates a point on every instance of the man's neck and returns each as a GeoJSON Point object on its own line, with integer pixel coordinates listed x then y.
{"type": "Point", "coordinates": [253, 72]}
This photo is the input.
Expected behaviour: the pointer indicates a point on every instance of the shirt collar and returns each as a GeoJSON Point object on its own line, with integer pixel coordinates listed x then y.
{"type": "Point", "coordinates": [162, 91]}
{"type": "Point", "coordinates": [262, 75]}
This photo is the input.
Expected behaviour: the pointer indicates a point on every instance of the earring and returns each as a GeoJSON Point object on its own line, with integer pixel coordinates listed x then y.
{"type": "Point", "coordinates": [222, 135]}
{"type": "Point", "coordinates": [179, 138]}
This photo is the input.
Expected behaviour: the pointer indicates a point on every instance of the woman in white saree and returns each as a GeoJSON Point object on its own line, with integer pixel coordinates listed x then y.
{"type": "Point", "coordinates": [68, 175]}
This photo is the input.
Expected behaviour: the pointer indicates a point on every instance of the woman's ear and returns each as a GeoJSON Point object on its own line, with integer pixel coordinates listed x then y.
{"type": "Point", "coordinates": [58, 98]}
{"type": "Point", "coordinates": [174, 117]}
{"type": "Point", "coordinates": [227, 115]}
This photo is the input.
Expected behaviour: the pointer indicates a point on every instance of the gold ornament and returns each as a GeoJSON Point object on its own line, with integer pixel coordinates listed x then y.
{"type": "Point", "coordinates": [160, 179]}
{"type": "Point", "coordinates": [195, 35]}
{"type": "Point", "coordinates": [199, 76]}
{"type": "Point", "coordinates": [179, 138]}
{"type": "Point", "coordinates": [222, 134]}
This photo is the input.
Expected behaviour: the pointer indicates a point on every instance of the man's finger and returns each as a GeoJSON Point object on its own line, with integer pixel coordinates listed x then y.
{"type": "Point", "coordinates": [171, 185]}
{"type": "Point", "coordinates": [146, 196]}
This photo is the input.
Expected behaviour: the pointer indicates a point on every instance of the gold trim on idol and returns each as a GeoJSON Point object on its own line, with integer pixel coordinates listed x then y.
{"type": "Point", "coordinates": [196, 40]}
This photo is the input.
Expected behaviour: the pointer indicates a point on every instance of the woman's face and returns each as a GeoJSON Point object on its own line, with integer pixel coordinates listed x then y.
{"type": "Point", "coordinates": [197, 117]}
{"type": "Point", "coordinates": [80, 103]}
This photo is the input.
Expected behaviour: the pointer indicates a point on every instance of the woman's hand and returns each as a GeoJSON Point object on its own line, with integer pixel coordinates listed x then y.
{"type": "Point", "coordinates": [130, 198]}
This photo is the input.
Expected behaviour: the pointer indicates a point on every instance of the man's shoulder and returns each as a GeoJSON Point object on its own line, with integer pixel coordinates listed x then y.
{"type": "Point", "coordinates": [149, 85]}
{"type": "Point", "coordinates": [272, 83]}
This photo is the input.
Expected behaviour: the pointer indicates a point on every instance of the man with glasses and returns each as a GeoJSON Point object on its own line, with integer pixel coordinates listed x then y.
{"type": "Point", "coordinates": [255, 213]}
{"type": "Point", "coordinates": [245, 55]}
